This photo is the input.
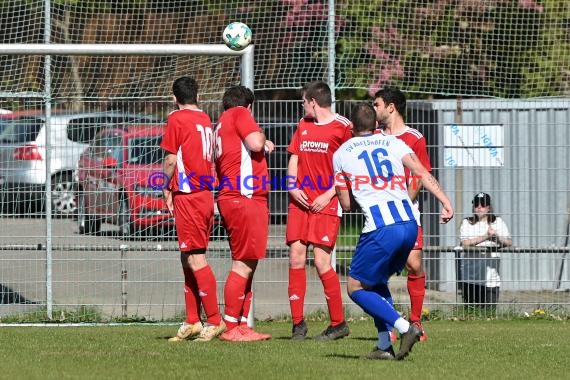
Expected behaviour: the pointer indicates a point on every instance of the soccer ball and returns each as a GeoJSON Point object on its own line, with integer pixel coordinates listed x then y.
{"type": "Point", "coordinates": [237, 35]}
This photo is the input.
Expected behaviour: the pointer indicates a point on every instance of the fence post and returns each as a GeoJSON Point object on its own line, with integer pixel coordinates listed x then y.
{"type": "Point", "coordinates": [124, 277]}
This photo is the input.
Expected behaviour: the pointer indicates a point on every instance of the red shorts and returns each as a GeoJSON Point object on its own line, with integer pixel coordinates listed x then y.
{"type": "Point", "coordinates": [420, 239]}
{"type": "Point", "coordinates": [311, 228]}
{"type": "Point", "coordinates": [193, 217]}
{"type": "Point", "coordinates": [247, 224]}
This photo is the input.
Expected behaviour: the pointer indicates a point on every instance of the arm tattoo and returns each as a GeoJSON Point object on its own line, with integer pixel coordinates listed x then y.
{"type": "Point", "coordinates": [431, 179]}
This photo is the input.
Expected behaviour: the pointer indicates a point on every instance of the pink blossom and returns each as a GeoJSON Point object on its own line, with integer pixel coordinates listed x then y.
{"type": "Point", "coordinates": [531, 5]}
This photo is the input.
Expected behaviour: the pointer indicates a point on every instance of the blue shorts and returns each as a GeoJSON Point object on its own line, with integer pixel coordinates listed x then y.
{"type": "Point", "coordinates": [383, 252]}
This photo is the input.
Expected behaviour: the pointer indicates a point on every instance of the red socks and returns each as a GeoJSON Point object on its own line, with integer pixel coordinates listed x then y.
{"type": "Point", "coordinates": [333, 294]}
{"type": "Point", "coordinates": [417, 291]}
{"type": "Point", "coordinates": [191, 297]}
{"type": "Point", "coordinates": [208, 294]}
{"type": "Point", "coordinates": [297, 290]}
{"type": "Point", "coordinates": [234, 299]}
{"type": "Point", "coordinates": [246, 302]}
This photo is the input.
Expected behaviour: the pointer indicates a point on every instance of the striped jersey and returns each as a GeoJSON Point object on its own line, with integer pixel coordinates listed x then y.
{"type": "Point", "coordinates": [417, 142]}
{"type": "Point", "coordinates": [188, 134]}
{"type": "Point", "coordinates": [372, 167]}
{"type": "Point", "coordinates": [240, 171]}
{"type": "Point", "coordinates": [315, 143]}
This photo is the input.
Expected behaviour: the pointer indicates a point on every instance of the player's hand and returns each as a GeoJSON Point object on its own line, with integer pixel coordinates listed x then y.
{"type": "Point", "coordinates": [300, 198]}
{"type": "Point", "coordinates": [269, 146]}
{"type": "Point", "coordinates": [320, 203]}
{"type": "Point", "coordinates": [446, 214]}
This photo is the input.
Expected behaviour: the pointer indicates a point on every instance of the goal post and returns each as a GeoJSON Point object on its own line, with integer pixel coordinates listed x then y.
{"type": "Point", "coordinates": [246, 78]}
{"type": "Point", "coordinates": [138, 49]}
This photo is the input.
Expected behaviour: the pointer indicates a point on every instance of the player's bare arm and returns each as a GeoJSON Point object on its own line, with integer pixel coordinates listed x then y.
{"type": "Point", "coordinates": [297, 195]}
{"type": "Point", "coordinates": [168, 167]}
{"type": "Point", "coordinates": [255, 141]}
{"type": "Point", "coordinates": [412, 162]}
{"type": "Point", "coordinates": [346, 199]}
{"type": "Point", "coordinates": [169, 164]}
{"type": "Point", "coordinates": [343, 198]}
{"type": "Point", "coordinates": [414, 188]}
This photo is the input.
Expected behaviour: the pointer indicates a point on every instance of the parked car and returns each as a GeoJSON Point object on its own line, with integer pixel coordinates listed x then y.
{"type": "Point", "coordinates": [23, 163]}
{"type": "Point", "coordinates": [113, 180]}
{"type": "Point", "coordinates": [114, 177]}
{"type": "Point", "coordinates": [6, 117]}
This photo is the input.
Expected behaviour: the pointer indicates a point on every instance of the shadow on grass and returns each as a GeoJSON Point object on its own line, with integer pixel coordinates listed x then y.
{"type": "Point", "coordinates": [344, 356]}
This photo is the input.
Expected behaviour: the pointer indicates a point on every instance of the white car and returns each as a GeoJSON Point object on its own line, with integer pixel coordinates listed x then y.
{"type": "Point", "coordinates": [23, 164]}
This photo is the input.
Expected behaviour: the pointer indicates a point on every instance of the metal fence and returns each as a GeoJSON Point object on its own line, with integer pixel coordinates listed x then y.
{"type": "Point", "coordinates": [105, 276]}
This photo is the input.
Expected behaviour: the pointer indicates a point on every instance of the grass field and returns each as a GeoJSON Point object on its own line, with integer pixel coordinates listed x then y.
{"type": "Point", "coordinates": [455, 350]}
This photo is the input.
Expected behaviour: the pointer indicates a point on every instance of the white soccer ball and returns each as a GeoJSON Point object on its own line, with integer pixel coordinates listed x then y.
{"type": "Point", "coordinates": [237, 35]}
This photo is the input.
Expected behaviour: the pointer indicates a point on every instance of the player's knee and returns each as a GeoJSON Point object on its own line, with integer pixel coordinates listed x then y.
{"type": "Point", "coordinates": [323, 265]}
{"type": "Point", "coordinates": [297, 260]}
{"type": "Point", "coordinates": [415, 269]}
{"type": "Point", "coordinates": [414, 264]}
{"type": "Point", "coordinates": [352, 285]}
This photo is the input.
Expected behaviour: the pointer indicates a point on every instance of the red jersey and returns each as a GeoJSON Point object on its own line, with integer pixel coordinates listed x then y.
{"type": "Point", "coordinates": [240, 171]}
{"type": "Point", "coordinates": [315, 144]}
{"type": "Point", "coordinates": [417, 142]}
{"type": "Point", "coordinates": [188, 135]}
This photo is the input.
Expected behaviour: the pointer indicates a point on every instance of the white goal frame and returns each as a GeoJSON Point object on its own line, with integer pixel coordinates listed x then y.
{"type": "Point", "coordinates": [246, 77]}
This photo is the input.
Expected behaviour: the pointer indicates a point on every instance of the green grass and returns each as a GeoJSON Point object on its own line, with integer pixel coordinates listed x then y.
{"type": "Point", "coordinates": [455, 350]}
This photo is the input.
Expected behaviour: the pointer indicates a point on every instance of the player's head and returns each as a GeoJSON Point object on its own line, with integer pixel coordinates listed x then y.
{"type": "Point", "coordinates": [363, 118]}
{"type": "Point", "coordinates": [185, 90]}
{"type": "Point", "coordinates": [316, 92]}
{"type": "Point", "coordinates": [237, 96]}
{"type": "Point", "coordinates": [388, 100]}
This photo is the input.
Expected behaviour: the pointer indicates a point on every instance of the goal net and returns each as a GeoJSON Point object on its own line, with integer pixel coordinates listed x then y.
{"type": "Point", "coordinates": [504, 48]}
{"type": "Point", "coordinates": [432, 49]}
{"type": "Point", "coordinates": [79, 158]}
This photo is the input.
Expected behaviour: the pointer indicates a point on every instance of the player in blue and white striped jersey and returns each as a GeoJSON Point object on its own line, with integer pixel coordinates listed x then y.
{"type": "Point", "coordinates": [369, 173]}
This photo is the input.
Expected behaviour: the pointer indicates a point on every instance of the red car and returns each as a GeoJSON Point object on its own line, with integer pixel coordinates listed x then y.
{"type": "Point", "coordinates": [116, 175]}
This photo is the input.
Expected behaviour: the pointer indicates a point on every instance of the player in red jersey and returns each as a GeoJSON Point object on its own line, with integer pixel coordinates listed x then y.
{"type": "Point", "coordinates": [242, 201]}
{"type": "Point", "coordinates": [187, 142]}
{"type": "Point", "coordinates": [390, 106]}
{"type": "Point", "coordinates": [314, 213]}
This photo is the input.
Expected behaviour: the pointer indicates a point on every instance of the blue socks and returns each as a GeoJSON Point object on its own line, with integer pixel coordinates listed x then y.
{"type": "Point", "coordinates": [376, 306]}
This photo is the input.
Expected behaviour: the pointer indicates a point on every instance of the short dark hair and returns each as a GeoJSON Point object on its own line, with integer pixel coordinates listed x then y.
{"type": "Point", "coordinates": [185, 90]}
{"type": "Point", "coordinates": [393, 95]}
{"type": "Point", "coordinates": [236, 96]}
{"type": "Point", "coordinates": [318, 90]}
{"type": "Point", "coordinates": [363, 117]}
